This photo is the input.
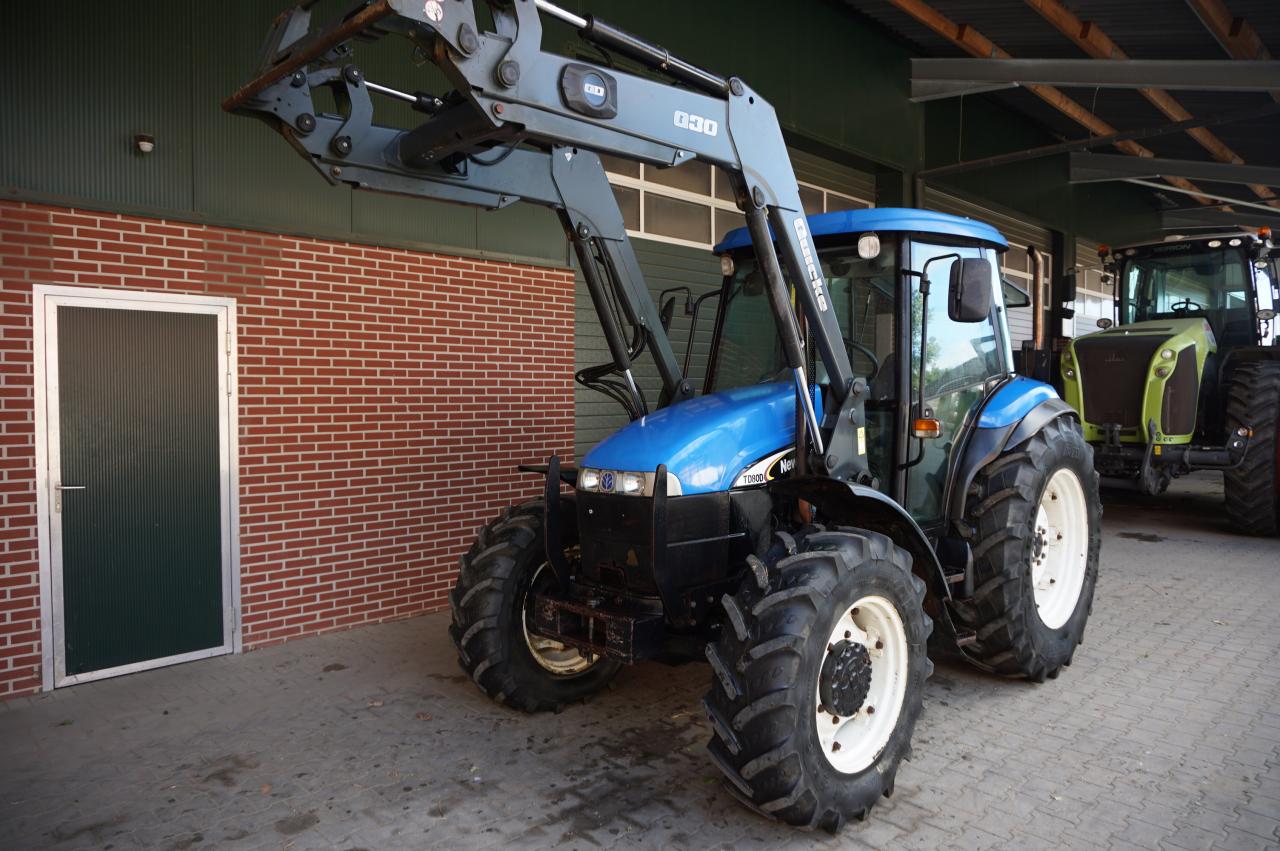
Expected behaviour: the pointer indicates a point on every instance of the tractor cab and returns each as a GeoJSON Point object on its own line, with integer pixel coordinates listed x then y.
{"type": "Point", "coordinates": [1228, 281]}
{"type": "Point", "coordinates": [873, 263]}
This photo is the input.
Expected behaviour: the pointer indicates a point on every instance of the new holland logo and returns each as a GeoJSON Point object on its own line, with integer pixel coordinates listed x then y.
{"type": "Point", "coordinates": [606, 482]}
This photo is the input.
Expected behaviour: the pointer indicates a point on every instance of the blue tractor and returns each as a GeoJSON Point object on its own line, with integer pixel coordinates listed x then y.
{"type": "Point", "coordinates": [698, 531]}
{"type": "Point", "coordinates": [860, 465]}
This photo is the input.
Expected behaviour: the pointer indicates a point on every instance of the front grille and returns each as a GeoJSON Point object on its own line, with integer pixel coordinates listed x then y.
{"type": "Point", "coordinates": [1113, 375]}
{"type": "Point", "coordinates": [1178, 411]}
{"type": "Point", "coordinates": [616, 534]}
{"type": "Point", "coordinates": [617, 539]}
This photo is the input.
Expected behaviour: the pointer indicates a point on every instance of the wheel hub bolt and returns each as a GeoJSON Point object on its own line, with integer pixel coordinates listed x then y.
{"type": "Point", "coordinates": [879, 645]}
{"type": "Point", "coordinates": [853, 613]}
{"type": "Point", "coordinates": [848, 634]}
{"type": "Point", "coordinates": [835, 746]}
{"type": "Point", "coordinates": [871, 710]}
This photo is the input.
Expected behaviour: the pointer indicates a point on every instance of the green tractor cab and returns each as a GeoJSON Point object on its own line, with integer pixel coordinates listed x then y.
{"type": "Point", "coordinates": [1189, 378]}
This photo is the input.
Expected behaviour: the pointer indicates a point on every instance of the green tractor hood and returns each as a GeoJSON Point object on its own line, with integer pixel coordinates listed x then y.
{"type": "Point", "coordinates": [1144, 377]}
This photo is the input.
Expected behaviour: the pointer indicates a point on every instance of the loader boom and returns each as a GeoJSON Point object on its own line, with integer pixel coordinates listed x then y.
{"type": "Point", "coordinates": [520, 124]}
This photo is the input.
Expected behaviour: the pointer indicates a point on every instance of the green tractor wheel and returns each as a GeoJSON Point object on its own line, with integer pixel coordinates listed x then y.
{"type": "Point", "coordinates": [1253, 488]}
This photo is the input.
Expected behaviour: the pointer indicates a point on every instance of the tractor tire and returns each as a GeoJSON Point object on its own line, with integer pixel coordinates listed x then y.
{"type": "Point", "coordinates": [1253, 488]}
{"type": "Point", "coordinates": [785, 654]}
{"type": "Point", "coordinates": [490, 605]}
{"type": "Point", "coordinates": [1035, 520]}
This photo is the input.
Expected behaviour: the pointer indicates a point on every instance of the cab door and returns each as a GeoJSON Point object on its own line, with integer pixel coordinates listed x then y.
{"type": "Point", "coordinates": [960, 358]}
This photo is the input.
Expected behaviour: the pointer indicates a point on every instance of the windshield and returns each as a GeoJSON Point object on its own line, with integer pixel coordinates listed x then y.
{"type": "Point", "coordinates": [861, 293]}
{"type": "Point", "coordinates": [1185, 279]}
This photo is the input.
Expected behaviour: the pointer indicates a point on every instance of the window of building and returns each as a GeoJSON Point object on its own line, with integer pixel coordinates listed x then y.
{"type": "Point", "coordinates": [692, 204]}
{"type": "Point", "coordinates": [1016, 266]}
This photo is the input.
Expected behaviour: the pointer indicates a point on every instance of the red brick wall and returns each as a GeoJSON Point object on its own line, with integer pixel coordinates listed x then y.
{"type": "Point", "coordinates": [385, 397]}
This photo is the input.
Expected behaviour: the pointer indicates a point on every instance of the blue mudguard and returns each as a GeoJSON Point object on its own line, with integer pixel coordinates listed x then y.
{"type": "Point", "coordinates": [1013, 412]}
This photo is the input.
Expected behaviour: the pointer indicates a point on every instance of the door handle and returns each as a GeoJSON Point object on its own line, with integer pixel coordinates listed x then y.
{"type": "Point", "coordinates": [57, 494]}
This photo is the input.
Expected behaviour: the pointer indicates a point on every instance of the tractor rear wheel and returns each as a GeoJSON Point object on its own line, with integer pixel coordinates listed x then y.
{"type": "Point", "coordinates": [1253, 488]}
{"type": "Point", "coordinates": [818, 675]}
{"type": "Point", "coordinates": [1035, 515]}
{"type": "Point", "coordinates": [490, 615]}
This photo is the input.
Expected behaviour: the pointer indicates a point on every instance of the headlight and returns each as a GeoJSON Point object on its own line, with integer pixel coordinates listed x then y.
{"type": "Point", "coordinates": [1167, 354]}
{"type": "Point", "coordinates": [631, 483]}
{"type": "Point", "coordinates": [1069, 372]}
{"type": "Point", "coordinates": [589, 480]}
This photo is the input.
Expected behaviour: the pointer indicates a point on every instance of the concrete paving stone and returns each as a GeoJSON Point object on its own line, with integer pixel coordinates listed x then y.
{"type": "Point", "coordinates": [1159, 736]}
{"type": "Point", "coordinates": [1259, 824]}
{"type": "Point", "coordinates": [1239, 840]}
{"type": "Point", "coordinates": [1194, 838]}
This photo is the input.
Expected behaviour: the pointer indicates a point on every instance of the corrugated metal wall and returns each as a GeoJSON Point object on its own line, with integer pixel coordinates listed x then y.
{"type": "Point", "coordinates": [84, 80]}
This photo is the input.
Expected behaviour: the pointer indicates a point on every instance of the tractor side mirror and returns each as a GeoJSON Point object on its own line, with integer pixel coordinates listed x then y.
{"type": "Point", "coordinates": [1067, 286]}
{"type": "Point", "coordinates": [969, 296]}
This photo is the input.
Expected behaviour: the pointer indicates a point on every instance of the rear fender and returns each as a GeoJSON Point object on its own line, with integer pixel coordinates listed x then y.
{"type": "Point", "coordinates": [991, 433]}
{"type": "Point", "coordinates": [866, 508]}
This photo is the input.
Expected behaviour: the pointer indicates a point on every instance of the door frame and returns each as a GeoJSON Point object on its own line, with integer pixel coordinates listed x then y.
{"type": "Point", "coordinates": [45, 299]}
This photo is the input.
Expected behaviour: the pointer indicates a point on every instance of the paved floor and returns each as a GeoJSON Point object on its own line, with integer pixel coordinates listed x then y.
{"type": "Point", "coordinates": [1165, 733]}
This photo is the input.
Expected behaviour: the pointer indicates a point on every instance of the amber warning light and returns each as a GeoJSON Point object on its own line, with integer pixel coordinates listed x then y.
{"type": "Point", "coordinates": [926, 427]}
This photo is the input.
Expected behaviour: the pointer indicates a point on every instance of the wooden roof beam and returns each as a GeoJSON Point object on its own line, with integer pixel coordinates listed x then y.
{"type": "Point", "coordinates": [1236, 35]}
{"type": "Point", "coordinates": [975, 43]}
{"type": "Point", "coordinates": [1090, 38]}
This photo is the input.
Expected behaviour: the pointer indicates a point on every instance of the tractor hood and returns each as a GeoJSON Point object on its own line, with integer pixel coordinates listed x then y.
{"type": "Point", "coordinates": [1144, 378]}
{"type": "Point", "coordinates": [1193, 327]}
{"type": "Point", "coordinates": [705, 442]}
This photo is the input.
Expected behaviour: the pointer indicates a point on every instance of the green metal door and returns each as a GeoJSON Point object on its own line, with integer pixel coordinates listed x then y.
{"type": "Point", "coordinates": [138, 495]}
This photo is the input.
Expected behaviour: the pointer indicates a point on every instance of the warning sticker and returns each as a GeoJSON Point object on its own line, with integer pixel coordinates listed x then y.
{"type": "Point", "coordinates": [862, 440]}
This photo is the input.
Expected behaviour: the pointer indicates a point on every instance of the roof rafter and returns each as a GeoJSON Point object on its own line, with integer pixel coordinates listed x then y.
{"type": "Point", "coordinates": [1090, 38]}
{"type": "Point", "coordinates": [976, 44]}
{"type": "Point", "coordinates": [1236, 35]}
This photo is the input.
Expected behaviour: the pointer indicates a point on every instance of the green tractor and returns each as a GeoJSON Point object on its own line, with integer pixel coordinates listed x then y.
{"type": "Point", "coordinates": [1187, 377]}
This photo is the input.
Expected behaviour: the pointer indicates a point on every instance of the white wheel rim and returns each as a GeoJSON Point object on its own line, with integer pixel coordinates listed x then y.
{"type": "Point", "coordinates": [851, 743]}
{"type": "Point", "coordinates": [554, 656]}
{"type": "Point", "coordinates": [1060, 548]}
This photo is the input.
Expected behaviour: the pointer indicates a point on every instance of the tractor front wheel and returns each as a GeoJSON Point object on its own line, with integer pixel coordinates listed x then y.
{"type": "Point", "coordinates": [818, 674]}
{"type": "Point", "coordinates": [1253, 488]}
{"type": "Point", "coordinates": [491, 603]}
{"type": "Point", "coordinates": [1035, 519]}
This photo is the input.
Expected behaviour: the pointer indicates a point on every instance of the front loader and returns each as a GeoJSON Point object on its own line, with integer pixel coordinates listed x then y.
{"type": "Point", "coordinates": [1189, 378]}
{"type": "Point", "coordinates": [859, 466]}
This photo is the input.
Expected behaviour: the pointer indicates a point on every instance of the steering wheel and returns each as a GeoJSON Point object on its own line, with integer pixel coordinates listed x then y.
{"type": "Point", "coordinates": [1182, 308]}
{"type": "Point", "coordinates": [851, 345]}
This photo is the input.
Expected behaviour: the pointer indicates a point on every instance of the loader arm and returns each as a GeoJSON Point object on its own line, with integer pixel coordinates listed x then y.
{"type": "Point", "coordinates": [510, 97]}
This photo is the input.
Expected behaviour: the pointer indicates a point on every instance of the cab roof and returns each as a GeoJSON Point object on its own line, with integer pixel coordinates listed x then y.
{"type": "Point", "coordinates": [881, 219]}
{"type": "Point", "coordinates": [1251, 236]}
